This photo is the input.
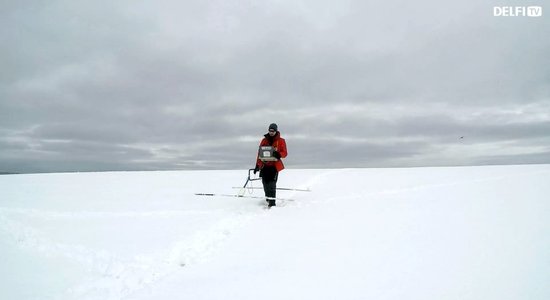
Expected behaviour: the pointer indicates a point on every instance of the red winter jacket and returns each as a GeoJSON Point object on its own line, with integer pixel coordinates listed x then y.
{"type": "Point", "coordinates": [280, 146]}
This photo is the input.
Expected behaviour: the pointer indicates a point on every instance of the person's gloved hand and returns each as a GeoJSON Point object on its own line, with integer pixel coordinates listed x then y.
{"type": "Point", "coordinates": [276, 154]}
{"type": "Point", "coordinates": [256, 169]}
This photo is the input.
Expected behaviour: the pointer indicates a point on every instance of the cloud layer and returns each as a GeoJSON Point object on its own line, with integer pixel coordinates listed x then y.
{"type": "Point", "coordinates": [194, 85]}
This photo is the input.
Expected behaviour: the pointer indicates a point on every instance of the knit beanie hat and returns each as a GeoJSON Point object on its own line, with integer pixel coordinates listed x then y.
{"type": "Point", "coordinates": [273, 126]}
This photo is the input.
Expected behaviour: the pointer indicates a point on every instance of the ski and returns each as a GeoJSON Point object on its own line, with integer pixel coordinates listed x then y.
{"type": "Point", "coordinates": [282, 189]}
{"type": "Point", "coordinates": [241, 196]}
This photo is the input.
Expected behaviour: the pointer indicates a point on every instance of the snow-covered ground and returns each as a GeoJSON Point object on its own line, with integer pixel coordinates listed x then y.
{"type": "Point", "coordinates": [417, 233]}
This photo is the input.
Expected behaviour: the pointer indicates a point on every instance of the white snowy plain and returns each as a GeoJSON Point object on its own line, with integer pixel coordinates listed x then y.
{"type": "Point", "coordinates": [415, 233]}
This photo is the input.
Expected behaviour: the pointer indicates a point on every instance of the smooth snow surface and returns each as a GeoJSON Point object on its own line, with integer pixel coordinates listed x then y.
{"type": "Point", "coordinates": [418, 233]}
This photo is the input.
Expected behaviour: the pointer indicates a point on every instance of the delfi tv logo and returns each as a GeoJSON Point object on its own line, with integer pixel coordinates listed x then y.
{"type": "Point", "coordinates": [517, 11]}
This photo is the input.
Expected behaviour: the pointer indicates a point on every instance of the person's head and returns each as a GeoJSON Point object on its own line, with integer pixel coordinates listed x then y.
{"type": "Point", "coordinates": [272, 129]}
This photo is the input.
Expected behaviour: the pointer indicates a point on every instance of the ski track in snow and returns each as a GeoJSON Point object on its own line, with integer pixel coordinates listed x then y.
{"type": "Point", "coordinates": [120, 276]}
{"type": "Point", "coordinates": [311, 184]}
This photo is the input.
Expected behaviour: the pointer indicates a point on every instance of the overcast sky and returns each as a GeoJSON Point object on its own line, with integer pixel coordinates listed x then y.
{"type": "Point", "coordinates": [169, 85]}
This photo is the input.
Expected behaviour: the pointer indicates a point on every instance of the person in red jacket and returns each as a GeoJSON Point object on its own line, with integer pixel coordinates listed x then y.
{"type": "Point", "coordinates": [269, 168]}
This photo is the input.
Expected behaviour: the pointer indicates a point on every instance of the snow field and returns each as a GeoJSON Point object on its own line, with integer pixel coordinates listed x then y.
{"type": "Point", "coordinates": [418, 233]}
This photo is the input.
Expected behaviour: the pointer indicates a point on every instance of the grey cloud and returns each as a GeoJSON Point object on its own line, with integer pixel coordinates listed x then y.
{"type": "Point", "coordinates": [194, 84]}
{"type": "Point", "coordinates": [528, 158]}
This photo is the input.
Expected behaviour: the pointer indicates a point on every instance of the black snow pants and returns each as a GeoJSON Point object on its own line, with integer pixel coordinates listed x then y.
{"type": "Point", "coordinates": [269, 176]}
